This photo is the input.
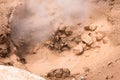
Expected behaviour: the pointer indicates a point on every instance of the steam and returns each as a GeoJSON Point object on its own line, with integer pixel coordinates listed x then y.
{"type": "Point", "coordinates": [35, 20]}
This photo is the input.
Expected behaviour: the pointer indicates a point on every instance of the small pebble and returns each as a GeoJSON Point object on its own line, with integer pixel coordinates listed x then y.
{"type": "Point", "coordinates": [91, 27]}
{"type": "Point", "coordinates": [86, 39]}
{"type": "Point", "coordinates": [78, 50]}
{"type": "Point", "coordinates": [99, 36]}
{"type": "Point", "coordinates": [82, 78]}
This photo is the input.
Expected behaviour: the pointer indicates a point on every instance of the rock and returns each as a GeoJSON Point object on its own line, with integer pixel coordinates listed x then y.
{"type": "Point", "coordinates": [82, 78]}
{"type": "Point", "coordinates": [95, 45]}
{"type": "Point", "coordinates": [93, 36]}
{"type": "Point", "coordinates": [87, 48]}
{"type": "Point", "coordinates": [79, 49]}
{"type": "Point", "coordinates": [68, 31]}
{"type": "Point", "coordinates": [22, 60]}
{"type": "Point", "coordinates": [66, 72]}
{"type": "Point", "coordinates": [86, 39]}
{"type": "Point", "coordinates": [8, 63]}
{"type": "Point", "coordinates": [51, 73]}
{"type": "Point", "coordinates": [4, 50]}
{"type": "Point", "coordinates": [58, 73]}
{"type": "Point", "coordinates": [3, 46]}
{"type": "Point", "coordinates": [99, 36]}
{"type": "Point", "coordinates": [61, 73]}
{"type": "Point", "coordinates": [63, 36]}
{"type": "Point", "coordinates": [4, 53]}
{"type": "Point", "coordinates": [77, 39]}
{"type": "Point", "coordinates": [60, 40]}
{"type": "Point", "coordinates": [105, 40]}
{"type": "Point", "coordinates": [12, 73]}
{"type": "Point", "coordinates": [91, 27]}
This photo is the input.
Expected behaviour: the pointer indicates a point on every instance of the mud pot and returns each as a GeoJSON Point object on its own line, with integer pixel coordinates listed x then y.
{"type": "Point", "coordinates": [62, 39]}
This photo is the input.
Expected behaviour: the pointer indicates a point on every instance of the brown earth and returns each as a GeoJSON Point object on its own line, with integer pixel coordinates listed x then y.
{"type": "Point", "coordinates": [95, 57]}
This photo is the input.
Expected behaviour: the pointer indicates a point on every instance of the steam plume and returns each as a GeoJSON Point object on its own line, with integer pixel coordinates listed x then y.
{"type": "Point", "coordinates": [36, 19]}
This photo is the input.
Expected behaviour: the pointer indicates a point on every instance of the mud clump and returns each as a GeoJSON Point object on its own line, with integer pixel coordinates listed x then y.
{"type": "Point", "coordinates": [90, 39]}
{"type": "Point", "coordinates": [60, 40]}
{"type": "Point", "coordinates": [22, 60]}
{"type": "Point", "coordinates": [9, 64]}
{"type": "Point", "coordinates": [59, 74]}
{"type": "Point", "coordinates": [86, 39]}
{"type": "Point", "coordinates": [4, 32]}
{"type": "Point", "coordinates": [99, 36]}
{"type": "Point", "coordinates": [90, 28]}
{"type": "Point", "coordinates": [4, 51]}
{"type": "Point", "coordinates": [66, 39]}
{"type": "Point", "coordinates": [4, 42]}
{"type": "Point", "coordinates": [79, 49]}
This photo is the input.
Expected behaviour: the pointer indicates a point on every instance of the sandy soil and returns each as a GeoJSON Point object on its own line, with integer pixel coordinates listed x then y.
{"type": "Point", "coordinates": [100, 62]}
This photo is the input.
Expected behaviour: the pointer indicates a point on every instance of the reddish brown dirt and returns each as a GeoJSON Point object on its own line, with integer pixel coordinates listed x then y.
{"type": "Point", "coordinates": [100, 61]}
